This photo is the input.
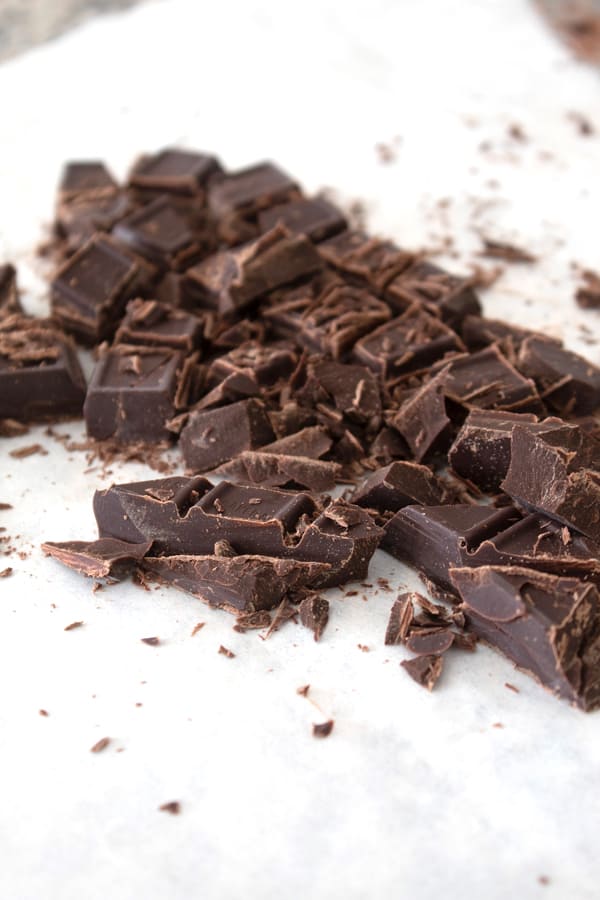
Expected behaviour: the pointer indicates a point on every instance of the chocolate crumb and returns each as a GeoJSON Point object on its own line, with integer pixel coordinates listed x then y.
{"type": "Point", "coordinates": [151, 641]}
{"type": "Point", "coordinates": [314, 614]}
{"type": "Point", "coordinates": [197, 628]}
{"type": "Point", "coordinates": [425, 670]}
{"type": "Point", "coordinates": [517, 133]}
{"type": "Point", "coordinates": [511, 687]}
{"type": "Point", "coordinates": [508, 252]}
{"type": "Point", "coordinates": [225, 652]}
{"type": "Point", "coordinates": [100, 745]}
{"type": "Point", "coordinates": [582, 123]}
{"type": "Point", "coordinates": [44, 713]}
{"type": "Point", "coordinates": [97, 586]}
{"type": "Point", "coordinates": [303, 690]}
{"type": "Point", "coordinates": [4, 506]}
{"type": "Point", "coordinates": [73, 625]}
{"type": "Point", "coordinates": [323, 729]}
{"type": "Point", "coordinates": [543, 879]}
{"type": "Point", "coordinates": [497, 725]}
{"type": "Point", "coordinates": [23, 452]}
{"type": "Point", "coordinates": [6, 572]}
{"type": "Point", "coordinates": [173, 807]}
{"type": "Point", "coordinates": [363, 647]}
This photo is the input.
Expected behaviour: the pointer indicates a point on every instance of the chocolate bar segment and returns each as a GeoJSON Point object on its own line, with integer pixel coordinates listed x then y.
{"type": "Point", "coordinates": [105, 558]}
{"type": "Point", "coordinates": [365, 260]}
{"type": "Point", "coordinates": [398, 485]}
{"type": "Point", "coordinates": [548, 626]}
{"type": "Point", "coordinates": [40, 375]}
{"type": "Point", "coordinates": [235, 200]}
{"type": "Point", "coordinates": [85, 178]}
{"type": "Point", "coordinates": [189, 517]}
{"type": "Point", "coordinates": [212, 437]}
{"type": "Point", "coordinates": [155, 324]}
{"type": "Point", "coordinates": [423, 420]}
{"type": "Point", "coordinates": [174, 171]}
{"type": "Point", "coordinates": [267, 364]}
{"type": "Point", "coordinates": [317, 218]}
{"type": "Point", "coordinates": [568, 383]}
{"type": "Point", "coordinates": [487, 380]}
{"type": "Point", "coordinates": [161, 233]}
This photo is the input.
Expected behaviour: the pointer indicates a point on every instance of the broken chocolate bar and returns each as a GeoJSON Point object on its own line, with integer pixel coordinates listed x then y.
{"type": "Point", "coordinates": [425, 670]}
{"type": "Point", "coordinates": [449, 296]}
{"type": "Point", "coordinates": [189, 516]}
{"type": "Point", "coordinates": [85, 178]}
{"type": "Point", "coordinates": [105, 558]}
{"type": "Point", "coordinates": [423, 421]}
{"type": "Point", "coordinates": [350, 390]}
{"type": "Point", "coordinates": [267, 364]}
{"type": "Point", "coordinates": [40, 375]}
{"type": "Point", "coordinates": [239, 583]}
{"type": "Point", "coordinates": [548, 626]}
{"type": "Point", "coordinates": [397, 485]}
{"type": "Point", "coordinates": [567, 382]}
{"type": "Point", "coordinates": [212, 437]}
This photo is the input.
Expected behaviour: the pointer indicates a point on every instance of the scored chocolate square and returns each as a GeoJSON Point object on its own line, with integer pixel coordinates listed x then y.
{"type": "Point", "coordinates": [315, 217]}
{"type": "Point", "coordinates": [160, 232]}
{"type": "Point", "coordinates": [155, 324]}
{"type": "Point", "coordinates": [174, 171]}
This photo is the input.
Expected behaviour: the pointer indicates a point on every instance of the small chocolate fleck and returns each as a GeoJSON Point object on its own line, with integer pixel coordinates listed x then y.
{"type": "Point", "coordinates": [323, 729]}
{"type": "Point", "coordinates": [4, 506]}
{"type": "Point", "coordinates": [44, 712]}
{"type": "Point", "coordinates": [23, 452]}
{"type": "Point", "coordinates": [498, 725]}
{"type": "Point", "coordinates": [6, 572]}
{"type": "Point", "coordinates": [303, 690]}
{"type": "Point", "coordinates": [100, 745]}
{"type": "Point", "coordinates": [151, 641]}
{"type": "Point", "coordinates": [73, 625]}
{"type": "Point", "coordinates": [197, 628]}
{"type": "Point", "coordinates": [314, 614]}
{"type": "Point", "coordinates": [225, 652]}
{"type": "Point", "coordinates": [511, 687]}
{"type": "Point", "coordinates": [173, 807]}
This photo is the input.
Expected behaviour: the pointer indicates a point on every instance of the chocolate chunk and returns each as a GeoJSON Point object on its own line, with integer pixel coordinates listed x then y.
{"type": "Point", "coordinates": [317, 218]}
{"type": "Point", "coordinates": [352, 390]}
{"type": "Point", "coordinates": [314, 614]}
{"type": "Point", "coordinates": [397, 485]}
{"type": "Point", "coordinates": [252, 620]}
{"type": "Point", "coordinates": [549, 473]}
{"type": "Point", "coordinates": [100, 745]}
{"type": "Point", "coordinates": [365, 260]}
{"type": "Point", "coordinates": [77, 220]}
{"type": "Point", "coordinates": [279, 469]}
{"type": "Point", "coordinates": [173, 807]}
{"type": "Point", "coordinates": [311, 442]}
{"type": "Point", "coordinates": [266, 364]}
{"type": "Point", "coordinates": [241, 583]}
{"type": "Point", "coordinates": [328, 320]}
{"type": "Point", "coordinates": [236, 199]}
{"type": "Point", "coordinates": [413, 341]}
{"type": "Point", "coordinates": [85, 178]}
{"type": "Point", "coordinates": [323, 729]}
{"type": "Point", "coordinates": [426, 642]}
{"type": "Point", "coordinates": [174, 171]}
{"type": "Point", "coordinates": [568, 383]}
{"type": "Point", "coordinates": [548, 626]}
{"type": "Point", "coordinates": [425, 670]}
{"type": "Point", "coordinates": [212, 437]}
{"type": "Point", "coordinates": [401, 615]}
{"type": "Point", "coordinates": [481, 451]}
{"type": "Point", "coordinates": [189, 516]}
{"type": "Point", "coordinates": [134, 392]}
{"type": "Point", "coordinates": [151, 641]}
{"type": "Point", "coordinates": [449, 296]}
{"type": "Point", "coordinates": [231, 279]}
{"type": "Point", "coordinates": [478, 332]}
{"type": "Point", "coordinates": [161, 233]}
{"type": "Point", "coordinates": [90, 291]}
{"type": "Point", "coordinates": [487, 380]}
{"type": "Point", "coordinates": [422, 420]}
{"type": "Point", "coordinates": [105, 558]}
{"type": "Point", "coordinates": [40, 375]}
{"type": "Point", "coordinates": [155, 324]}
{"type": "Point", "coordinates": [9, 295]}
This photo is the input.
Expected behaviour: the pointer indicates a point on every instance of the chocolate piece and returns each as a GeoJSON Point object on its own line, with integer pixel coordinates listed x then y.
{"type": "Point", "coordinates": [279, 469]}
{"type": "Point", "coordinates": [267, 364]}
{"type": "Point", "coordinates": [449, 296]}
{"type": "Point", "coordinates": [314, 614]}
{"type": "Point", "coordinates": [568, 383]}
{"type": "Point", "coordinates": [105, 558]}
{"type": "Point", "coordinates": [173, 807]}
{"type": "Point", "coordinates": [236, 199]}
{"type": "Point", "coordinates": [40, 375]}
{"type": "Point", "coordinates": [212, 437]}
{"type": "Point", "coordinates": [317, 218]}
{"type": "Point", "coordinates": [134, 392]}
{"type": "Point", "coordinates": [423, 643]}
{"type": "Point", "coordinates": [89, 177]}
{"type": "Point", "coordinates": [253, 620]}
{"type": "Point", "coordinates": [77, 220]}
{"type": "Point", "coordinates": [241, 583]}
{"type": "Point", "coordinates": [161, 233]}
{"type": "Point", "coordinates": [478, 332]}
{"type": "Point", "coordinates": [422, 420]}
{"type": "Point", "coordinates": [401, 615]}
{"type": "Point", "coordinates": [323, 729]}
{"type": "Point", "coordinates": [548, 626]}
{"type": "Point", "coordinates": [425, 670]}
{"type": "Point", "coordinates": [231, 279]}
{"type": "Point", "coordinates": [9, 295]}
{"type": "Point", "coordinates": [486, 380]}
{"type": "Point", "coordinates": [188, 516]}
{"type": "Point", "coordinates": [413, 341]}
{"type": "Point", "coordinates": [90, 291]}
{"type": "Point", "coordinates": [397, 485]}
{"type": "Point", "coordinates": [311, 442]}
{"type": "Point", "coordinates": [155, 324]}
{"type": "Point", "coordinates": [588, 295]}
{"type": "Point", "coordinates": [174, 171]}
{"type": "Point", "coordinates": [388, 446]}
{"type": "Point", "coordinates": [508, 252]}
{"type": "Point", "coordinates": [365, 260]}
{"type": "Point", "coordinates": [549, 473]}
{"type": "Point", "coordinates": [351, 390]}
{"type": "Point", "coordinates": [326, 321]}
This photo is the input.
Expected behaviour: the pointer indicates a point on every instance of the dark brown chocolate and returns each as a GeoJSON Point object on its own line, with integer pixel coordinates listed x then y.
{"type": "Point", "coordinates": [236, 199]}
{"type": "Point", "coordinates": [397, 485]}
{"type": "Point", "coordinates": [9, 295]}
{"type": "Point", "coordinates": [314, 614]}
{"type": "Point", "coordinates": [449, 296]}
{"type": "Point", "coordinates": [568, 383]}
{"type": "Point", "coordinates": [155, 324]}
{"type": "Point", "coordinates": [401, 615]}
{"type": "Point", "coordinates": [425, 670]}
{"type": "Point", "coordinates": [317, 218]}
{"type": "Point", "coordinates": [212, 437]}
{"type": "Point", "coordinates": [279, 470]}
{"type": "Point", "coordinates": [423, 421]}
{"type": "Point", "coordinates": [174, 171]}
{"type": "Point", "coordinates": [86, 177]}
{"type": "Point", "coordinates": [548, 626]}
{"type": "Point", "coordinates": [105, 558]}
{"type": "Point", "coordinates": [349, 390]}
{"type": "Point", "coordinates": [161, 233]}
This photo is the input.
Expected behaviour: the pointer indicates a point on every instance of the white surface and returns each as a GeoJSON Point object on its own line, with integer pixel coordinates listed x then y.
{"type": "Point", "coordinates": [413, 795]}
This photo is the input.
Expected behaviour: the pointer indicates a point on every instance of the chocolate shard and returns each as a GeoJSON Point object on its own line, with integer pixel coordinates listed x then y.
{"type": "Point", "coordinates": [239, 584]}
{"type": "Point", "coordinates": [430, 641]}
{"type": "Point", "coordinates": [189, 516]}
{"type": "Point", "coordinates": [212, 437]}
{"type": "Point", "coordinates": [316, 217]}
{"type": "Point", "coordinates": [350, 389]}
{"type": "Point", "coordinates": [397, 485]}
{"type": "Point", "coordinates": [314, 614]}
{"type": "Point", "coordinates": [548, 626]}
{"type": "Point", "coordinates": [588, 294]}
{"type": "Point", "coordinates": [160, 232]}
{"type": "Point", "coordinates": [236, 199]}
{"type": "Point", "coordinates": [266, 364]}
{"type": "Point", "coordinates": [413, 341]}
{"type": "Point", "coordinates": [312, 442]}
{"type": "Point", "coordinates": [401, 616]}
{"type": "Point", "coordinates": [134, 392]}
{"type": "Point", "coordinates": [174, 171]}
{"type": "Point", "coordinates": [105, 558]}
{"type": "Point", "coordinates": [40, 375]}
{"type": "Point", "coordinates": [550, 473]}
{"type": "Point", "coordinates": [568, 383]}
{"type": "Point", "coordinates": [80, 218]}
{"type": "Point", "coordinates": [425, 670]}
{"type": "Point", "coordinates": [423, 421]}
{"type": "Point", "coordinates": [452, 297]}
{"type": "Point", "coordinates": [155, 324]}
{"type": "Point", "coordinates": [9, 295]}
{"type": "Point", "coordinates": [365, 260]}
{"type": "Point", "coordinates": [231, 279]}
{"type": "Point", "coordinates": [90, 291]}
{"type": "Point", "coordinates": [279, 469]}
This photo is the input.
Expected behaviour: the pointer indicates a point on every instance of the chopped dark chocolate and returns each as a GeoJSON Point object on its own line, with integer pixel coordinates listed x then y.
{"type": "Point", "coordinates": [224, 651]}
{"type": "Point", "coordinates": [350, 389]}
{"type": "Point", "coordinates": [105, 558]}
{"type": "Point", "coordinates": [84, 178]}
{"type": "Point", "coordinates": [212, 437]}
{"type": "Point", "coordinates": [155, 324]}
{"type": "Point", "coordinates": [161, 233]}
{"type": "Point", "coordinates": [323, 729]}
{"type": "Point", "coordinates": [588, 294]}
{"type": "Point", "coordinates": [425, 670]}
{"type": "Point", "coordinates": [365, 260]}
{"type": "Point", "coordinates": [100, 745]}
{"type": "Point", "coordinates": [508, 252]}
{"type": "Point", "coordinates": [266, 364]}
{"type": "Point", "coordinates": [401, 615]}
{"type": "Point", "coordinates": [279, 469]}
{"type": "Point", "coordinates": [174, 171]}
{"type": "Point", "coordinates": [9, 295]}
{"type": "Point", "coordinates": [317, 218]}
{"type": "Point", "coordinates": [449, 296]}
{"type": "Point", "coordinates": [151, 641]}
{"type": "Point", "coordinates": [252, 620]}
{"type": "Point", "coordinates": [397, 485]}
{"type": "Point", "coordinates": [423, 421]}
{"type": "Point", "coordinates": [548, 626]}
{"type": "Point", "coordinates": [314, 614]}
{"type": "Point", "coordinates": [236, 199]}
{"type": "Point", "coordinates": [40, 375]}
{"type": "Point", "coordinates": [478, 332]}
{"type": "Point", "coordinates": [568, 383]}
{"type": "Point", "coordinates": [173, 807]}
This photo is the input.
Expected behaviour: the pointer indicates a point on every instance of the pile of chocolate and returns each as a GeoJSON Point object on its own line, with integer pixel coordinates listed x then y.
{"type": "Point", "coordinates": [286, 353]}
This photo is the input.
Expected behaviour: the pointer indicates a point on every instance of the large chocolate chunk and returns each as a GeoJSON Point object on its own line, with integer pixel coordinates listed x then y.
{"type": "Point", "coordinates": [397, 485]}
{"type": "Point", "coordinates": [90, 291]}
{"type": "Point", "coordinates": [548, 626]}
{"type": "Point", "coordinates": [478, 332]}
{"type": "Point", "coordinates": [486, 380]}
{"type": "Point", "coordinates": [212, 437]}
{"type": "Point", "coordinates": [231, 279]}
{"type": "Point", "coordinates": [236, 199]}
{"type": "Point", "coordinates": [189, 516]}
{"type": "Point", "coordinates": [239, 583]}
{"type": "Point", "coordinates": [550, 473]}
{"type": "Point", "coordinates": [280, 469]}
{"type": "Point", "coordinates": [449, 296]}
{"type": "Point", "coordinates": [40, 375]}
{"type": "Point", "coordinates": [85, 178]}
{"type": "Point", "coordinates": [413, 341]}
{"type": "Point", "coordinates": [105, 558]}
{"type": "Point", "coordinates": [366, 260]}
{"type": "Point", "coordinates": [134, 392]}
{"type": "Point", "coordinates": [174, 171]}
{"type": "Point", "coordinates": [267, 364]}
{"type": "Point", "coordinates": [568, 383]}
{"type": "Point", "coordinates": [317, 218]}
{"type": "Point", "coordinates": [351, 390]}
{"type": "Point", "coordinates": [423, 420]}
{"type": "Point", "coordinates": [155, 324]}
{"type": "Point", "coordinates": [161, 233]}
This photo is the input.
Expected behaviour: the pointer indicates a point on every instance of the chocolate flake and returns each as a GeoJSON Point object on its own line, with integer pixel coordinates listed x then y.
{"type": "Point", "coordinates": [100, 745]}
{"type": "Point", "coordinates": [151, 641]}
{"type": "Point", "coordinates": [73, 625]}
{"type": "Point", "coordinates": [225, 652]}
{"type": "Point", "coordinates": [323, 729]}
{"type": "Point", "coordinates": [173, 807]}
{"type": "Point", "coordinates": [314, 614]}
{"type": "Point", "coordinates": [425, 670]}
